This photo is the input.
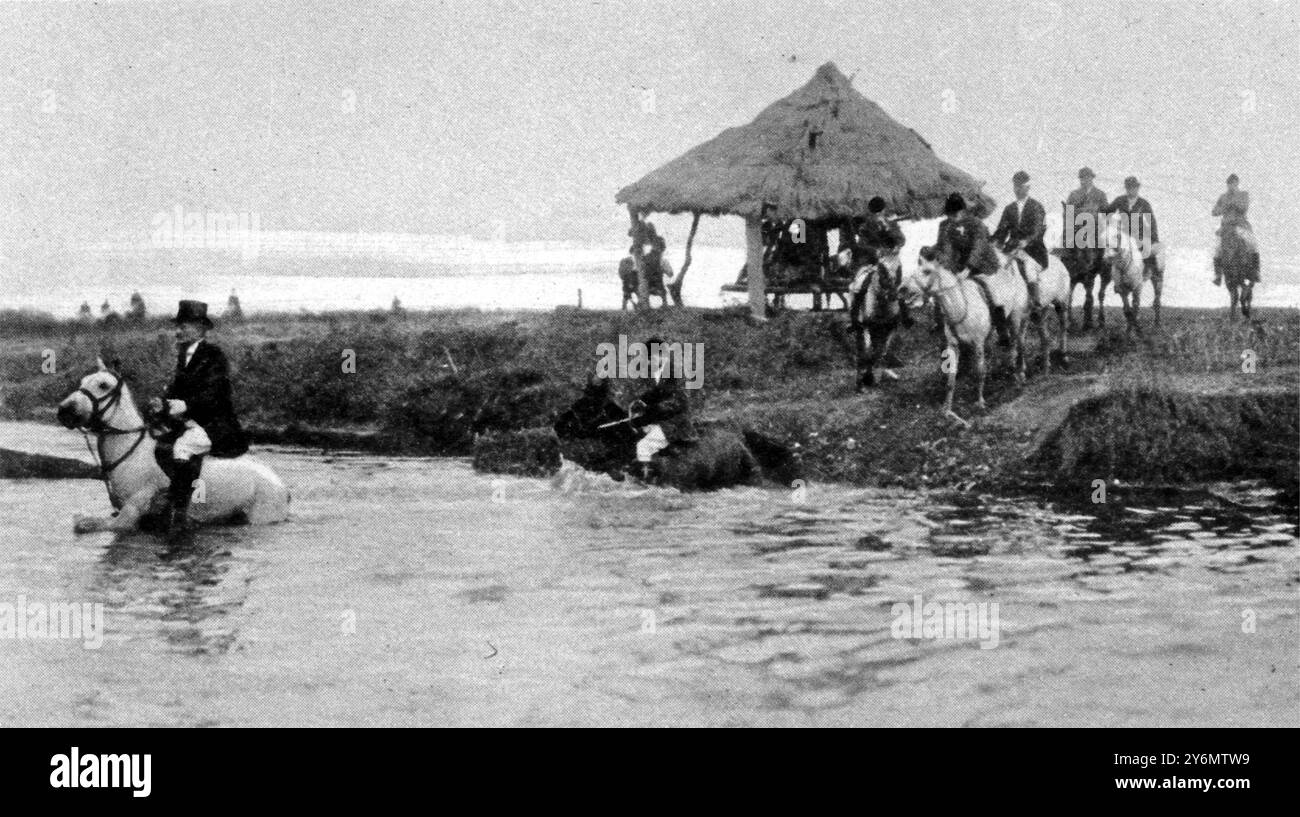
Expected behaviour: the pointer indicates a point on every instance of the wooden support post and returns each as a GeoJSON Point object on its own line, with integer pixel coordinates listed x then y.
{"type": "Point", "coordinates": [642, 282]}
{"type": "Point", "coordinates": [754, 268]}
{"type": "Point", "coordinates": [675, 288]}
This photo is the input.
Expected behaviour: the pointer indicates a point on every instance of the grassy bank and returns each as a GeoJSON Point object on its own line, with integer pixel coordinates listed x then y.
{"type": "Point", "coordinates": [1175, 407]}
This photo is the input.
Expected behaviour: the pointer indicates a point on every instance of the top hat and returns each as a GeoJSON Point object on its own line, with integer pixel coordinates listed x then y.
{"type": "Point", "coordinates": [1086, 173]}
{"type": "Point", "coordinates": [1132, 181]}
{"type": "Point", "coordinates": [192, 312]}
{"type": "Point", "coordinates": [1021, 177]}
{"type": "Point", "coordinates": [954, 204]}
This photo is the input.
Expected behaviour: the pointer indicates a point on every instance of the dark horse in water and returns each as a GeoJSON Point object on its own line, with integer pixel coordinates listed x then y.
{"type": "Point", "coordinates": [1238, 263]}
{"type": "Point", "coordinates": [875, 313]}
{"type": "Point", "coordinates": [595, 432]}
{"type": "Point", "coordinates": [1086, 266]}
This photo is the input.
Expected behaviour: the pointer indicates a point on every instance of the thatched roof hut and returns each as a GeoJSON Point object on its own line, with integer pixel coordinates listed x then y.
{"type": "Point", "coordinates": [820, 153]}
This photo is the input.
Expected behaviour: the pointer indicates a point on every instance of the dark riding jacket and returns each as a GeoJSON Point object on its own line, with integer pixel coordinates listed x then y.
{"type": "Point", "coordinates": [667, 406]}
{"type": "Point", "coordinates": [964, 243]}
{"type": "Point", "coordinates": [1146, 226]}
{"type": "Point", "coordinates": [1028, 223]}
{"type": "Point", "coordinates": [204, 385]}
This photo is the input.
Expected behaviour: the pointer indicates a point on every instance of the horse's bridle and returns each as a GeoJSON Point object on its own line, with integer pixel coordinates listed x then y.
{"type": "Point", "coordinates": [99, 407]}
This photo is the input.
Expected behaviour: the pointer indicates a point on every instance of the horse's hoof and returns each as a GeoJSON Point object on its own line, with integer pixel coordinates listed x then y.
{"type": "Point", "coordinates": [84, 524]}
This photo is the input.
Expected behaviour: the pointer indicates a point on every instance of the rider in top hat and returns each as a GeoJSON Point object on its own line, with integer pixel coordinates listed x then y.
{"type": "Point", "coordinates": [197, 407]}
{"type": "Point", "coordinates": [1023, 222]}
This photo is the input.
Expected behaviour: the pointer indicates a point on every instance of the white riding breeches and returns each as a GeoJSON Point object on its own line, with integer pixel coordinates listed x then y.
{"type": "Point", "coordinates": [652, 443]}
{"type": "Point", "coordinates": [193, 443]}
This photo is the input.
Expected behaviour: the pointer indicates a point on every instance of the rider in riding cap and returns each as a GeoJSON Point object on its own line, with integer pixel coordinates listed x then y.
{"type": "Point", "coordinates": [663, 411]}
{"type": "Point", "coordinates": [1130, 205]}
{"type": "Point", "coordinates": [879, 232]}
{"type": "Point", "coordinates": [197, 408]}
{"type": "Point", "coordinates": [963, 243]}
{"type": "Point", "coordinates": [1022, 226]}
{"type": "Point", "coordinates": [1232, 206]}
{"type": "Point", "coordinates": [1090, 202]}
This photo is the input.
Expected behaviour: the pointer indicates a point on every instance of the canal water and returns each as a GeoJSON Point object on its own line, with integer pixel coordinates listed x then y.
{"type": "Point", "coordinates": [418, 592]}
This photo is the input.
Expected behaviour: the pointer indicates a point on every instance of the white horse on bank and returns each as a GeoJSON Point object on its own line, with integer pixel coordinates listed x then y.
{"type": "Point", "coordinates": [240, 489]}
{"type": "Point", "coordinates": [967, 319]}
{"type": "Point", "coordinates": [1049, 288]}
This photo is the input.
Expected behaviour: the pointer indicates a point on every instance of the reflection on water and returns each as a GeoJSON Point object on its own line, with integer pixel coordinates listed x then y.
{"type": "Point", "coordinates": [419, 592]}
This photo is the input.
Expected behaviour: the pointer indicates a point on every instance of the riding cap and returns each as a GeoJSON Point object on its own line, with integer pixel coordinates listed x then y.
{"type": "Point", "coordinates": [1086, 173]}
{"type": "Point", "coordinates": [1233, 178]}
{"type": "Point", "coordinates": [954, 204]}
{"type": "Point", "coordinates": [192, 312]}
{"type": "Point", "coordinates": [876, 205]}
{"type": "Point", "coordinates": [1021, 177]}
{"type": "Point", "coordinates": [1132, 181]}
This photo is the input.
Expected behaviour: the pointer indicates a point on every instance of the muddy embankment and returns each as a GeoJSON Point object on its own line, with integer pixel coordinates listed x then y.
{"type": "Point", "coordinates": [1201, 400]}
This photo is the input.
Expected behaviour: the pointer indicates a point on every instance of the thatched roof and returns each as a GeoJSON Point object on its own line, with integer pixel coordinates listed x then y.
{"type": "Point", "coordinates": [822, 152]}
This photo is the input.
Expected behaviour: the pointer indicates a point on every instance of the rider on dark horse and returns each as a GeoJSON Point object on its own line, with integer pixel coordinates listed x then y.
{"type": "Point", "coordinates": [1084, 204]}
{"type": "Point", "coordinates": [1232, 207]}
{"type": "Point", "coordinates": [663, 411]}
{"type": "Point", "coordinates": [196, 415]}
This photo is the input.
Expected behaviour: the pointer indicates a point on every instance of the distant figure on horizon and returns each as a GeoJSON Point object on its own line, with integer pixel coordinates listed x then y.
{"type": "Point", "coordinates": [1232, 207]}
{"type": "Point", "coordinates": [107, 315]}
{"type": "Point", "coordinates": [397, 308]}
{"type": "Point", "coordinates": [84, 314]}
{"type": "Point", "coordinates": [136, 314]}
{"type": "Point", "coordinates": [234, 312]}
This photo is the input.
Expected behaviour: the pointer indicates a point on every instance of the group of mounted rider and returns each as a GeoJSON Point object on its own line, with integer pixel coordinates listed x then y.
{"type": "Point", "coordinates": [1008, 276]}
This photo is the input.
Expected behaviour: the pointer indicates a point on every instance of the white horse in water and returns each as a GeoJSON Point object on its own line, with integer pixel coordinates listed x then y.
{"type": "Point", "coordinates": [240, 489]}
{"type": "Point", "coordinates": [1048, 289]}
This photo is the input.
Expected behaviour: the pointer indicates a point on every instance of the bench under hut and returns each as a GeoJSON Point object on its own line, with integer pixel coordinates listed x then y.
{"type": "Point", "coordinates": [820, 154]}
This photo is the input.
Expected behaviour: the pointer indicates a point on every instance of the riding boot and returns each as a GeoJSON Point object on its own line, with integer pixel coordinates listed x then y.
{"type": "Point", "coordinates": [185, 473]}
{"type": "Point", "coordinates": [1218, 272]}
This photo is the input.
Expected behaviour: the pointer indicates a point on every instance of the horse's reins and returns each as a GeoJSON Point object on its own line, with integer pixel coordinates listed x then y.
{"type": "Point", "coordinates": [98, 426]}
{"type": "Point", "coordinates": [965, 307]}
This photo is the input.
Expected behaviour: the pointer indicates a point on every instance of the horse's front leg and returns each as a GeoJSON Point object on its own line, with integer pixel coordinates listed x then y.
{"type": "Point", "coordinates": [860, 357]}
{"type": "Point", "coordinates": [1044, 343]}
{"type": "Point", "coordinates": [1157, 284]}
{"type": "Point", "coordinates": [126, 519]}
{"type": "Point", "coordinates": [1103, 278]}
{"type": "Point", "coordinates": [1062, 322]}
{"type": "Point", "coordinates": [981, 369]}
{"type": "Point", "coordinates": [951, 359]}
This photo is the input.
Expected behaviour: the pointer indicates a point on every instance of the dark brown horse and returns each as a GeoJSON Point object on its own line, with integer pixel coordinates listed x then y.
{"type": "Point", "coordinates": [1086, 266]}
{"type": "Point", "coordinates": [1238, 262]}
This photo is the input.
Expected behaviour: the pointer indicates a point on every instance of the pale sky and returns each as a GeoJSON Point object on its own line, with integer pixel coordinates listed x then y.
{"type": "Point", "coordinates": [444, 117]}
